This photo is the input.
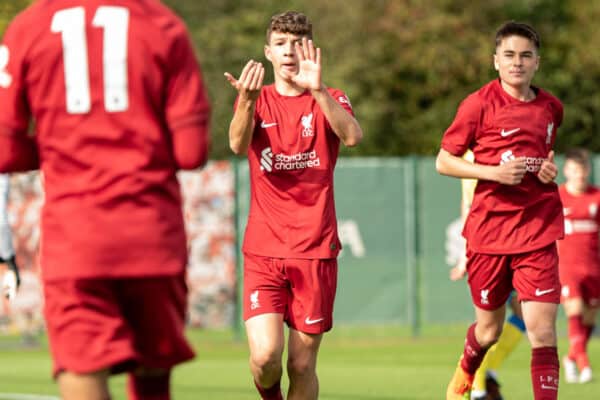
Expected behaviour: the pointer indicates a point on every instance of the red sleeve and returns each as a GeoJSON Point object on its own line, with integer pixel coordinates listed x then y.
{"type": "Point", "coordinates": [343, 100]}
{"type": "Point", "coordinates": [187, 107]}
{"type": "Point", "coordinates": [18, 152]}
{"type": "Point", "coordinates": [461, 133]}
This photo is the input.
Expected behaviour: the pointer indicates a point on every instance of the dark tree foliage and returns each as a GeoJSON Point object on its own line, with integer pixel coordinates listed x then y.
{"type": "Point", "coordinates": [405, 64]}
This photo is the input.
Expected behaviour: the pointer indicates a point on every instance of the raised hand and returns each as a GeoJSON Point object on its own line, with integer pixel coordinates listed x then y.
{"type": "Point", "coordinates": [548, 170]}
{"type": "Point", "coordinates": [511, 172]}
{"type": "Point", "coordinates": [309, 69]}
{"type": "Point", "coordinates": [250, 81]}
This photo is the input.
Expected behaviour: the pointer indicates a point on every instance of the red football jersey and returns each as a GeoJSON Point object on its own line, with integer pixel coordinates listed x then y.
{"type": "Point", "coordinates": [109, 84]}
{"type": "Point", "coordinates": [507, 219]}
{"type": "Point", "coordinates": [291, 157]}
{"type": "Point", "coordinates": [579, 248]}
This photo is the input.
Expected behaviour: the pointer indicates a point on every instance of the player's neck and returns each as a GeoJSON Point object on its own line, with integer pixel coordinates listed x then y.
{"type": "Point", "coordinates": [521, 93]}
{"type": "Point", "coordinates": [287, 88]}
{"type": "Point", "coordinates": [574, 190]}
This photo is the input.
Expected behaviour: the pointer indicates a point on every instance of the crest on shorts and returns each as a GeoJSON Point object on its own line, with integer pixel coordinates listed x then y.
{"type": "Point", "coordinates": [254, 304]}
{"type": "Point", "coordinates": [484, 296]}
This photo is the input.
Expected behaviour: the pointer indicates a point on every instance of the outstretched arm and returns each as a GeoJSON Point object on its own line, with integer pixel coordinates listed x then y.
{"type": "Point", "coordinates": [344, 125]}
{"type": "Point", "coordinates": [242, 124]}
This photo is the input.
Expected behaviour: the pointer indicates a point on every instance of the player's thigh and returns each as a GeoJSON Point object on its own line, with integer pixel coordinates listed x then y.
{"type": "Point", "coordinates": [92, 386]}
{"type": "Point", "coordinates": [313, 284]}
{"type": "Point", "coordinates": [535, 276]}
{"type": "Point", "coordinates": [265, 337]}
{"type": "Point", "coordinates": [489, 278]}
{"type": "Point", "coordinates": [303, 349]}
{"type": "Point", "coordinates": [86, 328]}
{"type": "Point", "coordinates": [155, 309]}
{"type": "Point", "coordinates": [266, 288]}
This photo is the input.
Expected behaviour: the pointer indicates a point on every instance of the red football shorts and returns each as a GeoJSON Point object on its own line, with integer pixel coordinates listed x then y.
{"type": "Point", "coordinates": [303, 290]}
{"type": "Point", "coordinates": [95, 324]}
{"type": "Point", "coordinates": [582, 285]}
{"type": "Point", "coordinates": [534, 276]}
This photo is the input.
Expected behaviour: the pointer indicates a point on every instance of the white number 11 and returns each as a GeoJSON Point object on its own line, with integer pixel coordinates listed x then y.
{"type": "Point", "coordinates": [70, 23]}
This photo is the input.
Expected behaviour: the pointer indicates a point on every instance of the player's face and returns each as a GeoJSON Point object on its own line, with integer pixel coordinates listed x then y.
{"type": "Point", "coordinates": [577, 175]}
{"type": "Point", "coordinates": [282, 53]}
{"type": "Point", "coordinates": [516, 61]}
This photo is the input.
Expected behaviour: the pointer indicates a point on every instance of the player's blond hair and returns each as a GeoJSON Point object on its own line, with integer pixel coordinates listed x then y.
{"type": "Point", "coordinates": [290, 22]}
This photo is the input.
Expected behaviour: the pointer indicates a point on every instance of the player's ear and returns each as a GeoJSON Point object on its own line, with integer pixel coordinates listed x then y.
{"type": "Point", "coordinates": [496, 65]}
{"type": "Point", "coordinates": [268, 52]}
{"type": "Point", "coordinates": [537, 62]}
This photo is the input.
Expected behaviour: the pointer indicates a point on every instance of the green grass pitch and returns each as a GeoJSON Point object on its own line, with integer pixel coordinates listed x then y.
{"type": "Point", "coordinates": [356, 363]}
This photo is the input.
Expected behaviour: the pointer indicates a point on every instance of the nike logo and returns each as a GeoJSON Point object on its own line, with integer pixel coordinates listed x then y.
{"type": "Point", "coordinates": [309, 321]}
{"type": "Point", "coordinates": [263, 124]}
{"type": "Point", "coordinates": [508, 133]}
{"type": "Point", "coordinates": [539, 292]}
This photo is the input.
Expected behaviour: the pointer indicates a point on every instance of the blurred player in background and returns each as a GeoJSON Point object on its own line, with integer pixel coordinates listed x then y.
{"type": "Point", "coordinates": [485, 384]}
{"type": "Point", "coordinates": [291, 132]}
{"type": "Point", "coordinates": [119, 107]}
{"type": "Point", "coordinates": [11, 279]}
{"type": "Point", "coordinates": [516, 217]}
{"type": "Point", "coordinates": [579, 264]}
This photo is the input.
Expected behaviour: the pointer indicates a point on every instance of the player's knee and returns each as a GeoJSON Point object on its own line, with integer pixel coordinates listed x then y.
{"type": "Point", "coordinates": [266, 360]}
{"type": "Point", "coordinates": [149, 384]}
{"type": "Point", "coordinates": [489, 335]}
{"type": "Point", "coordinates": [300, 366]}
{"type": "Point", "coordinates": [542, 336]}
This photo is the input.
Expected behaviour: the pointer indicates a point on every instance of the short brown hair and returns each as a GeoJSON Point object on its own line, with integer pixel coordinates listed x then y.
{"type": "Point", "coordinates": [578, 155]}
{"type": "Point", "coordinates": [512, 28]}
{"type": "Point", "coordinates": [290, 22]}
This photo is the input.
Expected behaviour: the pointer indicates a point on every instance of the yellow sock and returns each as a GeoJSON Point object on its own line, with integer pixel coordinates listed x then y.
{"type": "Point", "coordinates": [511, 336]}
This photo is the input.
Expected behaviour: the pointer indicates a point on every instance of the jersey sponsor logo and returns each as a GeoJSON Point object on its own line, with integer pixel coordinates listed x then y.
{"type": "Point", "coordinates": [505, 133]}
{"type": "Point", "coordinates": [309, 321]}
{"type": "Point", "coordinates": [484, 296]}
{"type": "Point", "coordinates": [344, 100]}
{"type": "Point", "coordinates": [580, 226]}
{"type": "Point", "coordinates": [288, 162]}
{"type": "Point", "coordinates": [265, 125]}
{"type": "Point", "coordinates": [307, 129]}
{"type": "Point", "coordinates": [5, 77]}
{"type": "Point", "coordinates": [539, 292]}
{"type": "Point", "coordinates": [532, 164]}
{"type": "Point", "coordinates": [549, 131]}
{"type": "Point", "coordinates": [254, 304]}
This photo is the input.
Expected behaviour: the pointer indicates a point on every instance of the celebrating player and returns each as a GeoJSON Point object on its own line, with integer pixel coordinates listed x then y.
{"type": "Point", "coordinates": [516, 217]}
{"type": "Point", "coordinates": [119, 106]}
{"type": "Point", "coordinates": [579, 264]}
{"type": "Point", "coordinates": [291, 131]}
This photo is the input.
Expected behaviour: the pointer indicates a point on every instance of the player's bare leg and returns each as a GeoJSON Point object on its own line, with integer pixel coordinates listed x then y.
{"type": "Point", "coordinates": [480, 336]}
{"type": "Point", "coordinates": [266, 341]}
{"type": "Point", "coordinates": [92, 386]}
{"type": "Point", "coordinates": [302, 365]}
{"type": "Point", "coordinates": [540, 320]}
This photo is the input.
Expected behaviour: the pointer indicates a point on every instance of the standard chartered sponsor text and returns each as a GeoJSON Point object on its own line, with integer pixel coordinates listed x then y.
{"type": "Point", "coordinates": [288, 162]}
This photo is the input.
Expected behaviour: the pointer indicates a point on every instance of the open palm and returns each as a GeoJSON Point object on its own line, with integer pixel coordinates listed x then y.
{"type": "Point", "coordinates": [309, 72]}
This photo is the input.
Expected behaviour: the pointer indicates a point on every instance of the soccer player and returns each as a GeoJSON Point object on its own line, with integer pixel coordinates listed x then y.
{"type": "Point", "coordinates": [485, 383]}
{"type": "Point", "coordinates": [119, 107]}
{"type": "Point", "coordinates": [291, 132]}
{"type": "Point", "coordinates": [579, 264]}
{"type": "Point", "coordinates": [516, 217]}
{"type": "Point", "coordinates": [11, 279]}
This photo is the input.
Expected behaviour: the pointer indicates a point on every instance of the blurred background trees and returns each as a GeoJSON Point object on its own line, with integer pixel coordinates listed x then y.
{"type": "Point", "coordinates": [405, 64]}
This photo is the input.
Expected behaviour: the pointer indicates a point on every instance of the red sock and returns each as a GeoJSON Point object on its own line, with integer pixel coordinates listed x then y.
{"type": "Point", "coordinates": [473, 353]}
{"type": "Point", "coordinates": [148, 387]}
{"type": "Point", "coordinates": [577, 334]}
{"type": "Point", "coordinates": [544, 373]}
{"type": "Point", "coordinates": [589, 329]}
{"type": "Point", "coordinates": [272, 393]}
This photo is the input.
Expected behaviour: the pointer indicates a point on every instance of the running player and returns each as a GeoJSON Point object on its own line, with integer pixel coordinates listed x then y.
{"type": "Point", "coordinates": [516, 216]}
{"type": "Point", "coordinates": [579, 264]}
